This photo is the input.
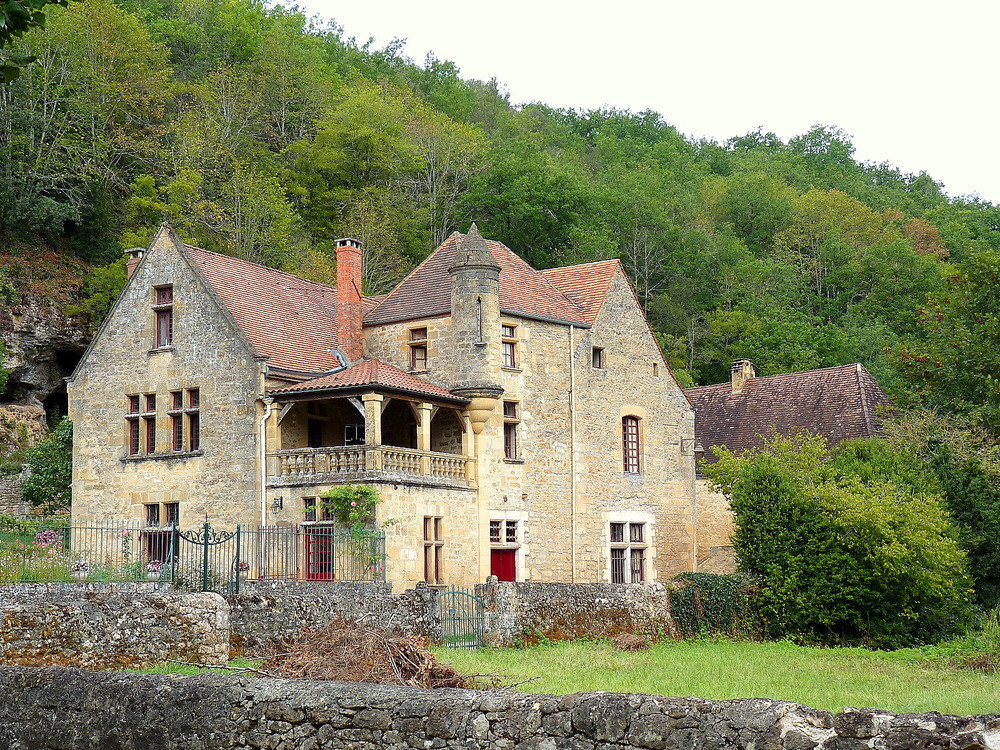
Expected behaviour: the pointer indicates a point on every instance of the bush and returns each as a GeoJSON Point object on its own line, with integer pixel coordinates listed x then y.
{"type": "Point", "coordinates": [841, 554]}
{"type": "Point", "coordinates": [710, 604]}
{"type": "Point", "coordinates": [51, 462]}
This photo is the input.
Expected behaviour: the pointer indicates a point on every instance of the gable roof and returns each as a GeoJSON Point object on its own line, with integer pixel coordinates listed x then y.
{"type": "Point", "coordinates": [371, 372]}
{"type": "Point", "coordinates": [426, 292]}
{"type": "Point", "coordinates": [838, 403]}
{"type": "Point", "coordinates": [585, 284]}
{"type": "Point", "coordinates": [289, 320]}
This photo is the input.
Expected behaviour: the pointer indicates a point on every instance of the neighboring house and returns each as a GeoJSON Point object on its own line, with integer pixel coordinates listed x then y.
{"type": "Point", "coordinates": [515, 422]}
{"type": "Point", "coordinates": [839, 403]}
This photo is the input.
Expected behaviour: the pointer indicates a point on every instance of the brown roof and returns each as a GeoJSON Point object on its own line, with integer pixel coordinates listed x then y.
{"type": "Point", "coordinates": [289, 320]}
{"type": "Point", "coordinates": [372, 372]}
{"type": "Point", "coordinates": [838, 403]}
{"type": "Point", "coordinates": [585, 284]}
{"type": "Point", "coordinates": [523, 290]}
{"type": "Point", "coordinates": [370, 303]}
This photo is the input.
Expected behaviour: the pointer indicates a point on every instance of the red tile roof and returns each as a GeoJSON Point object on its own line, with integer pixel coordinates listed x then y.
{"type": "Point", "coordinates": [586, 284]}
{"type": "Point", "coordinates": [372, 372]}
{"type": "Point", "coordinates": [523, 290]}
{"type": "Point", "coordinates": [838, 403]}
{"type": "Point", "coordinates": [291, 321]}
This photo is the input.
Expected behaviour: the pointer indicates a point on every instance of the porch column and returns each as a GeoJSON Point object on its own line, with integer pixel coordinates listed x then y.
{"type": "Point", "coordinates": [373, 429]}
{"type": "Point", "coordinates": [424, 436]}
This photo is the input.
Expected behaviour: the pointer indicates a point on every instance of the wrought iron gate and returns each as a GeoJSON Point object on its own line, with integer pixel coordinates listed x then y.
{"type": "Point", "coordinates": [461, 618]}
{"type": "Point", "coordinates": [206, 559]}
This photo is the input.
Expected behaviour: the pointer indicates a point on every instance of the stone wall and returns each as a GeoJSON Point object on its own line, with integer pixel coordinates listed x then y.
{"type": "Point", "coordinates": [11, 497]}
{"type": "Point", "coordinates": [517, 612]}
{"type": "Point", "coordinates": [61, 709]}
{"type": "Point", "coordinates": [100, 627]}
{"type": "Point", "coordinates": [264, 612]}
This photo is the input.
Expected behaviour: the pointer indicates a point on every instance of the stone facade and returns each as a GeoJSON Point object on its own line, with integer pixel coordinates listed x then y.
{"type": "Point", "coordinates": [436, 443]}
{"type": "Point", "coordinates": [109, 627]}
{"type": "Point", "coordinates": [61, 708]}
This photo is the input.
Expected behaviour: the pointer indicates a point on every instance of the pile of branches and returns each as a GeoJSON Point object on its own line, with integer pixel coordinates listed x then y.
{"type": "Point", "coordinates": [348, 652]}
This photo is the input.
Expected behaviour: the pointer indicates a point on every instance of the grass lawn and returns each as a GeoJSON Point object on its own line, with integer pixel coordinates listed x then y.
{"type": "Point", "coordinates": [901, 681]}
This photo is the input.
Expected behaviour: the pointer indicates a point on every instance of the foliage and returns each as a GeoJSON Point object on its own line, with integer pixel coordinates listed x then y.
{"type": "Point", "coordinates": [710, 604]}
{"type": "Point", "coordinates": [101, 288]}
{"type": "Point", "coordinates": [352, 505]}
{"type": "Point", "coordinates": [843, 550]}
{"type": "Point", "coordinates": [4, 372]}
{"type": "Point", "coordinates": [48, 488]}
{"type": "Point", "coordinates": [17, 17]}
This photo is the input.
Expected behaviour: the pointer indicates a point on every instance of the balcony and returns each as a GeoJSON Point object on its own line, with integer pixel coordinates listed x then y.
{"type": "Point", "coordinates": [357, 463]}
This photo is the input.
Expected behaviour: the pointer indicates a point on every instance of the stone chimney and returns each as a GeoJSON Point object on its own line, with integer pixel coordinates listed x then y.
{"type": "Point", "coordinates": [741, 371]}
{"type": "Point", "coordinates": [134, 256]}
{"type": "Point", "coordinates": [349, 308]}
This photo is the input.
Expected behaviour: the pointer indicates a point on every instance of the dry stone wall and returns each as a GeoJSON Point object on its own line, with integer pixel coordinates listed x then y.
{"type": "Point", "coordinates": [68, 709]}
{"type": "Point", "coordinates": [100, 627]}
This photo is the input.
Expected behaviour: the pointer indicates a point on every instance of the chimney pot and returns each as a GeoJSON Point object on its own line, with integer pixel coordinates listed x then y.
{"type": "Point", "coordinates": [134, 256]}
{"type": "Point", "coordinates": [349, 308]}
{"type": "Point", "coordinates": [741, 371]}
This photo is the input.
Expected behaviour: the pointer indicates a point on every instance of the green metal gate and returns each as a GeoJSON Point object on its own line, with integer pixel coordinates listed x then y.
{"type": "Point", "coordinates": [461, 618]}
{"type": "Point", "coordinates": [206, 559]}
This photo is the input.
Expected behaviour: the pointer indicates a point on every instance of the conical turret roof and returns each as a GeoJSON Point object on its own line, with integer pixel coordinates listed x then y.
{"type": "Point", "coordinates": [472, 252]}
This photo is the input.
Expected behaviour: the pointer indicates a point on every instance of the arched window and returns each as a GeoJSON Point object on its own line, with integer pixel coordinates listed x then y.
{"type": "Point", "coordinates": [631, 447]}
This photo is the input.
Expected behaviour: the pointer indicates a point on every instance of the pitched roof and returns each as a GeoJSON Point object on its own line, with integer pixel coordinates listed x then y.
{"type": "Point", "coordinates": [838, 403]}
{"type": "Point", "coordinates": [289, 320]}
{"type": "Point", "coordinates": [585, 284]}
{"type": "Point", "coordinates": [371, 372]}
{"type": "Point", "coordinates": [523, 290]}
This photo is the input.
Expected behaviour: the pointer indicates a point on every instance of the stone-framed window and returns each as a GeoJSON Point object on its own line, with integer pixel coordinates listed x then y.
{"type": "Point", "coordinates": [597, 358]}
{"type": "Point", "coordinates": [511, 427]}
{"type": "Point", "coordinates": [172, 514]}
{"type": "Point", "coordinates": [163, 310]}
{"type": "Point", "coordinates": [309, 506]}
{"type": "Point", "coordinates": [193, 414]}
{"type": "Point", "coordinates": [631, 445]}
{"type": "Point", "coordinates": [149, 422]}
{"type": "Point", "coordinates": [140, 424]}
{"type": "Point", "coordinates": [433, 551]}
{"type": "Point", "coordinates": [132, 426]}
{"type": "Point", "coordinates": [418, 349]}
{"type": "Point", "coordinates": [176, 414]}
{"type": "Point", "coordinates": [628, 552]}
{"type": "Point", "coordinates": [153, 515]}
{"type": "Point", "coordinates": [508, 344]}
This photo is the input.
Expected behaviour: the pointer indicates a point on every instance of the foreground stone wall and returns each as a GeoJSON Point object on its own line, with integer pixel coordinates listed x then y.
{"type": "Point", "coordinates": [516, 612]}
{"type": "Point", "coordinates": [61, 709]}
{"type": "Point", "coordinates": [108, 627]}
{"type": "Point", "coordinates": [265, 612]}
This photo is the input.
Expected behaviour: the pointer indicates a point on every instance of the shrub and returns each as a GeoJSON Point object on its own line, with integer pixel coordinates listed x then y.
{"type": "Point", "coordinates": [841, 554]}
{"type": "Point", "coordinates": [51, 464]}
{"type": "Point", "coordinates": [710, 604]}
{"type": "Point", "coordinates": [352, 505]}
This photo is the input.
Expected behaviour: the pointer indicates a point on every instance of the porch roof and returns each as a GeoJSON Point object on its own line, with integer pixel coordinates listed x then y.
{"type": "Point", "coordinates": [370, 374]}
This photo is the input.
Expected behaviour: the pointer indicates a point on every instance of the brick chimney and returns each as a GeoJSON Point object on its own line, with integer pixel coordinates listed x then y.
{"type": "Point", "coordinates": [134, 256]}
{"type": "Point", "coordinates": [349, 309]}
{"type": "Point", "coordinates": [741, 371]}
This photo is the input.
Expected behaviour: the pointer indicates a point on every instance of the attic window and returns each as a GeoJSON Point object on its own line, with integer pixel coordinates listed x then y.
{"type": "Point", "coordinates": [163, 308]}
{"type": "Point", "coordinates": [418, 349]}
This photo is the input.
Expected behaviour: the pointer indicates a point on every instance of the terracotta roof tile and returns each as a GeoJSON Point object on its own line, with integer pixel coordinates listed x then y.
{"type": "Point", "coordinates": [838, 403]}
{"type": "Point", "coordinates": [371, 372]}
{"type": "Point", "coordinates": [585, 284]}
{"type": "Point", "coordinates": [370, 303]}
{"type": "Point", "coordinates": [523, 290]}
{"type": "Point", "coordinates": [289, 320]}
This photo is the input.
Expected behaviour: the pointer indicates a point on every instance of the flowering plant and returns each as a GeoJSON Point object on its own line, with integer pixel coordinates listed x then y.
{"type": "Point", "coordinates": [352, 505]}
{"type": "Point", "coordinates": [244, 566]}
{"type": "Point", "coordinates": [154, 566]}
{"type": "Point", "coordinates": [80, 566]}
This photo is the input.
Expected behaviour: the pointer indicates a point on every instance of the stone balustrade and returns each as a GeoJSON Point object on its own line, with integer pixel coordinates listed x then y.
{"type": "Point", "coordinates": [348, 463]}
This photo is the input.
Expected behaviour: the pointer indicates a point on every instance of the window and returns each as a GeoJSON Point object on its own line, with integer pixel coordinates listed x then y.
{"type": "Point", "coordinates": [149, 422]}
{"type": "Point", "coordinates": [656, 370]}
{"type": "Point", "coordinates": [309, 508]}
{"type": "Point", "coordinates": [509, 345]}
{"type": "Point", "coordinates": [354, 434]}
{"type": "Point", "coordinates": [193, 413]}
{"type": "Point", "coordinates": [597, 358]}
{"type": "Point", "coordinates": [176, 413]}
{"type": "Point", "coordinates": [153, 514]}
{"type": "Point", "coordinates": [503, 532]}
{"type": "Point", "coordinates": [433, 550]}
{"type": "Point", "coordinates": [631, 445]}
{"type": "Point", "coordinates": [132, 423]}
{"type": "Point", "coordinates": [172, 511]}
{"type": "Point", "coordinates": [418, 349]}
{"type": "Point", "coordinates": [628, 558]}
{"type": "Point", "coordinates": [164, 310]}
{"type": "Point", "coordinates": [511, 421]}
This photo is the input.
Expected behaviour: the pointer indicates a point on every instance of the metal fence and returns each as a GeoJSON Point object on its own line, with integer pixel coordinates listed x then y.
{"type": "Point", "coordinates": [204, 558]}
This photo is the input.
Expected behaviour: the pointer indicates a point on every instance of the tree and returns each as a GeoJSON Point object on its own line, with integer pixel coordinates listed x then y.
{"type": "Point", "coordinates": [49, 487]}
{"type": "Point", "coordinates": [17, 17]}
{"type": "Point", "coordinates": [842, 554]}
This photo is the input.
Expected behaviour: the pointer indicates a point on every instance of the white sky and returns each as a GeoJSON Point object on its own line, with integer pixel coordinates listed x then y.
{"type": "Point", "coordinates": [915, 82]}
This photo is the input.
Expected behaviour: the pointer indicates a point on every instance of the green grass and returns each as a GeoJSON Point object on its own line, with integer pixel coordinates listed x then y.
{"type": "Point", "coordinates": [172, 668]}
{"type": "Point", "coordinates": [901, 681]}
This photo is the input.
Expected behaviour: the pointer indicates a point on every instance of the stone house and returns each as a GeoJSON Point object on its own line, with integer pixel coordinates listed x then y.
{"type": "Point", "coordinates": [839, 403]}
{"type": "Point", "coordinates": [515, 422]}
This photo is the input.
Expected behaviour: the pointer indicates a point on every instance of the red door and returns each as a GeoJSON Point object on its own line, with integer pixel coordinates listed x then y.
{"type": "Point", "coordinates": [503, 564]}
{"type": "Point", "coordinates": [319, 554]}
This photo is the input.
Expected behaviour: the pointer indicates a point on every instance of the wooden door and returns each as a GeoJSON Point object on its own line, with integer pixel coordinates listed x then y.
{"type": "Point", "coordinates": [503, 564]}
